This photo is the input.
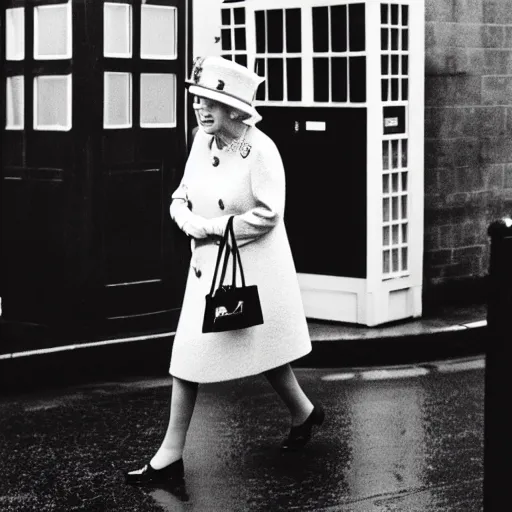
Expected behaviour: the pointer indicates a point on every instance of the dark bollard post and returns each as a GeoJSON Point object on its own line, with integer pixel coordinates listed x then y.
{"type": "Point", "coordinates": [498, 426]}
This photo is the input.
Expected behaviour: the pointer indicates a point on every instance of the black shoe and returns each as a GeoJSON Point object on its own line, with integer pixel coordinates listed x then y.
{"type": "Point", "coordinates": [172, 474]}
{"type": "Point", "coordinates": [301, 434]}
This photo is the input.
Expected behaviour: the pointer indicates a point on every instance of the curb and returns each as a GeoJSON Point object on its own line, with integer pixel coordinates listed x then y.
{"type": "Point", "coordinates": [149, 355]}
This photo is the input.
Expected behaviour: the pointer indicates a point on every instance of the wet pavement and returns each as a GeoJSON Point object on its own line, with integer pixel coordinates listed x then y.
{"type": "Point", "coordinates": [395, 439]}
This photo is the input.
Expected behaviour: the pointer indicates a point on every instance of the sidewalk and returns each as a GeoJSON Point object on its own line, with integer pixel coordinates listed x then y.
{"type": "Point", "coordinates": [406, 443]}
{"type": "Point", "coordinates": [455, 332]}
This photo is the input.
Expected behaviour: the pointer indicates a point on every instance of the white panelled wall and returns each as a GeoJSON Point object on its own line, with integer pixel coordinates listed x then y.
{"type": "Point", "coordinates": [394, 59]}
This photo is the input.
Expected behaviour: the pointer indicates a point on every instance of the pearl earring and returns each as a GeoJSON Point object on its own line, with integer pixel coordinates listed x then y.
{"type": "Point", "coordinates": [233, 115]}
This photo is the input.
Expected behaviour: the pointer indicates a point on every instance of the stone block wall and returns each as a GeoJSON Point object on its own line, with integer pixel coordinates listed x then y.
{"type": "Point", "coordinates": [468, 141]}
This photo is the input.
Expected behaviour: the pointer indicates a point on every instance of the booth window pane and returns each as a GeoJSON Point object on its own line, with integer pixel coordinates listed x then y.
{"type": "Point", "coordinates": [275, 30]}
{"type": "Point", "coordinates": [226, 16]}
{"type": "Point", "coordinates": [404, 258]}
{"type": "Point", "coordinates": [117, 105]}
{"type": "Point", "coordinates": [384, 64]}
{"type": "Point", "coordinates": [385, 235]}
{"type": "Point", "coordinates": [404, 207]}
{"type": "Point", "coordinates": [405, 40]}
{"type": "Point", "coordinates": [52, 32]}
{"type": "Point", "coordinates": [227, 56]}
{"type": "Point", "coordinates": [226, 39]}
{"type": "Point", "coordinates": [405, 15]}
{"type": "Point", "coordinates": [394, 64]}
{"type": "Point", "coordinates": [396, 266]}
{"type": "Point", "coordinates": [384, 14]}
{"type": "Point", "coordinates": [15, 111]}
{"type": "Point", "coordinates": [321, 79]}
{"type": "Point", "coordinates": [157, 100]}
{"type": "Point", "coordinates": [394, 153]}
{"type": "Point", "coordinates": [239, 16]}
{"type": "Point", "coordinates": [294, 77]}
{"type": "Point", "coordinates": [241, 59]}
{"type": "Point", "coordinates": [275, 79]}
{"type": "Point", "coordinates": [394, 14]}
{"type": "Point", "coordinates": [52, 102]}
{"type": "Point", "coordinates": [404, 233]}
{"type": "Point", "coordinates": [240, 39]}
{"type": "Point", "coordinates": [320, 29]}
{"type": "Point", "coordinates": [261, 32]}
{"type": "Point", "coordinates": [117, 32]}
{"type": "Point", "coordinates": [385, 183]}
{"type": "Point", "coordinates": [339, 28]}
{"type": "Point", "coordinates": [384, 39]}
{"type": "Point", "coordinates": [404, 181]}
{"type": "Point", "coordinates": [394, 38]}
{"type": "Point", "coordinates": [405, 65]}
{"type": "Point", "coordinates": [293, 31]}
{"type": "Point", "coordinates": [394, 89]}
{"type": "Point", "coordinates": [158, 32]}
{"type": "Point", "coordinates": [405, 89]}
{"type": "Point", "coordinates": [385, 262]}
{"type": "Point", "coordinates": [357, 79]}
{"type": "Point", "coordinates": [356, 17]}
{"type": "Point", "coordinates": [339, 79]}
{"type": "Point", "coordinates": [385, 89]}
{"type": "Point", "coordinates": [394, 208]}
{"type": "Point", "coordinates": [394, 182]}
{"type": "Point", "coordinates": [385, 209]}
{"type": "Point", "coordinates": [396, 232]}
{"type": "Point", "coordinates": [261, 71]}
{"type": "Point", "coordinates": [404, 153]}
{"type": "Point", "coordinates": [15, 34]}
{"type": "Point", "coordinates": [385, 155]}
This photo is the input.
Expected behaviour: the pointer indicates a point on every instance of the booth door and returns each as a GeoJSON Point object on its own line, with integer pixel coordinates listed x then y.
{"type": "Point", "coordinates": [141, 153]}
{"type": "Point", "coordinates": [40, 189]}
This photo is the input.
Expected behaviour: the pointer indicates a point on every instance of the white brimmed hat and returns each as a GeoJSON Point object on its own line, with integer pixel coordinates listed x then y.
{"type": "Point", "coordinates": [227, 82]}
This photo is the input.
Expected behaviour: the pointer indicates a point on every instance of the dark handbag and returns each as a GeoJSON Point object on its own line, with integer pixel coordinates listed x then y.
{"type": "Point", "coordinates": [228, 307]}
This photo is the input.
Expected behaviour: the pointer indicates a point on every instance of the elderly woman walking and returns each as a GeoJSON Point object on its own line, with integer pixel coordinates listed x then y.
{"type": "Point", "coordinates": [233, 170]}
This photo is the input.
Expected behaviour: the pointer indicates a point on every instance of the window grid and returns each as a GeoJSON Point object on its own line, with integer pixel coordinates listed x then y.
{"type": "Point", "coordinates": [394, 52]}
{"type": "Point", "coordinates": [286, 63]}
{"type": "Point", "coordinates": [233, 34]}
{"type": "Point", "coordinates": [344, 48]}
{"type": "Point", "coordinates": [395, 208]}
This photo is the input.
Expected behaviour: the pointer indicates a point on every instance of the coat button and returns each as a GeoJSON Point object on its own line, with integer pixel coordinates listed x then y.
{"type": "Point", "coordinates": [221, 204]}
{"type": "Point", "coordinates": [215, 161]}
{"type": "Point", "coordinates": [198, 273]}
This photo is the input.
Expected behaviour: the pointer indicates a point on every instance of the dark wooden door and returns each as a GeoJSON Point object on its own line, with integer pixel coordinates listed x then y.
{"type": "Point", "coordinates": [140, 154]}
{"type": "Point", "coordinates": [41, 189]}
{"type": "Point", "coordinates": [92, 146]}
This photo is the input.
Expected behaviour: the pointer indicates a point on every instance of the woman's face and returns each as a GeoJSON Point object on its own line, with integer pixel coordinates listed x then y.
{"type": "Point", "coordinates": [211, 115]}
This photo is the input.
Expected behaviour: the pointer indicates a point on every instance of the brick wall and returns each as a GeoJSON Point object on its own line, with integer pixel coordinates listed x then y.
{"type": "Point", "coordinates": [468, 146]}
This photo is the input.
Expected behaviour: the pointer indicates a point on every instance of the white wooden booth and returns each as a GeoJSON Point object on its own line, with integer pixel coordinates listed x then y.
{"type": "Point", "coordinates": [344, 102]}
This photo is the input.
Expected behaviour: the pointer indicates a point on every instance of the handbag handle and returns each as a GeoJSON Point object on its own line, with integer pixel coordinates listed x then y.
{"type": "Point", "coordinates": [236, 256]}
{"type": "Point", "coordinates": [223, 245]}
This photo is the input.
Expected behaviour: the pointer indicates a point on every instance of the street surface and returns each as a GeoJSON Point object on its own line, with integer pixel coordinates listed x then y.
{"type": "Point", "coordinates": [395, 439]}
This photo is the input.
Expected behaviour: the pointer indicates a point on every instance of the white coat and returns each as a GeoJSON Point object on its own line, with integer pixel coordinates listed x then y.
{"type": "Point", "coordinates": [251, 187]}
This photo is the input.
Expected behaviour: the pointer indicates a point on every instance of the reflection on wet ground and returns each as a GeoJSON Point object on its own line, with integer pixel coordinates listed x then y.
{"type": "Point", "coordinates": [407, 441]}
